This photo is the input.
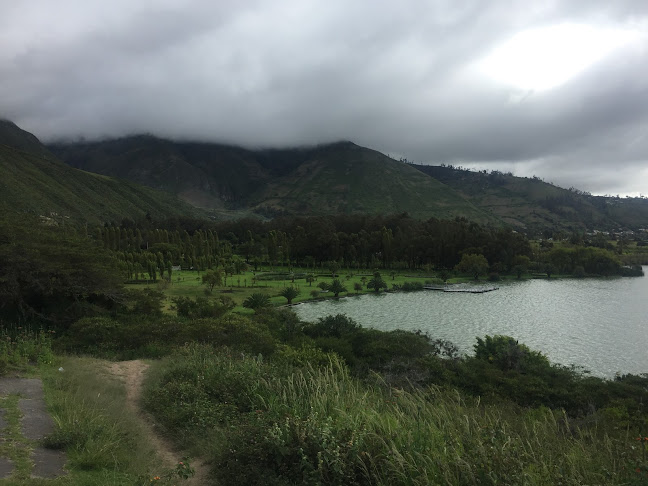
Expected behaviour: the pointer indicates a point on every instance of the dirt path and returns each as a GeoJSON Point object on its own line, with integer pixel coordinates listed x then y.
{"type": "Point", "coordinates": [132, 373]}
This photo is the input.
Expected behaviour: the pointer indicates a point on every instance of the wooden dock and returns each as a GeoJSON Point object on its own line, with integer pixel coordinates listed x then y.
{"type": "Point", "coordinates": [464, 290]}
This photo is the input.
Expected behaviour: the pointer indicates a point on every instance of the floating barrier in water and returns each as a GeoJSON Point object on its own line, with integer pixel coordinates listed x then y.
{"type": "Point", "coordinates": [464, 290]}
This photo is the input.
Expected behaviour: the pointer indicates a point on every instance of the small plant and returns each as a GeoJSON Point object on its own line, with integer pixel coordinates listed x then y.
{"type": "Point", "coordinates": [257, 301]}
{"type": "Point", "coordinates": [182, 471]}
{"type": "Point", "coordinates": [21, 347]}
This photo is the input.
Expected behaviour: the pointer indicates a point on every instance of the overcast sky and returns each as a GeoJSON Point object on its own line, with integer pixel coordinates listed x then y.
{"type": "Point", "coordinates": [558, 89]}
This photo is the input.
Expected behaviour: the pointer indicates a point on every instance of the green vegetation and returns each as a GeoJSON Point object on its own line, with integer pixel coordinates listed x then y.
{"type": "Point", "coordinates": [268, 422]}
{"type": "Point", "coordinates": [537, 207]}
{"type": "Point", "coordinates": [53, 275]}
{"type": "Point", "coordinates": [262, 396]}
{"type": "Point", "coordinates": [100, 435]}
{"type": "Point", "coordinates": [21, 346]}
{"type": "Point", "coordinates": [60, 194]}
{"type": "Point", "coordinates": [340, 178]}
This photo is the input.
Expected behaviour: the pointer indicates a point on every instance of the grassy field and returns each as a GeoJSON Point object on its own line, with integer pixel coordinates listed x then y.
{"type": "Point", "coordinates": [272, 281]}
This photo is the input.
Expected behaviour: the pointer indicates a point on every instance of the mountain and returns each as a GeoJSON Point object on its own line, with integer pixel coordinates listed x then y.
{"type": "Point", "coordinates": [34, 181]}
{"type": "Point", "coordinates": [533, 205]}
{"type": "Point", "coordinates": [328, 179]}
{"type": "Point", "coordinates": [345, 178]}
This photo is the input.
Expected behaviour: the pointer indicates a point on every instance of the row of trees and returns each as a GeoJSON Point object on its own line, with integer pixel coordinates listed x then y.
{"type": "Point", "coordinates": [345, 241]}
{"type": "Point", "coordinates": [369, 242]}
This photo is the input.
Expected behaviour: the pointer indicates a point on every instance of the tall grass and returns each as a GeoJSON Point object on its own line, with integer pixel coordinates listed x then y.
{"type": "Point", "coordinates": [268, 424]}
{"type": "Point", "coordinates": [23, 346]}
{"type": "Point", "coordinates": [101, 436]}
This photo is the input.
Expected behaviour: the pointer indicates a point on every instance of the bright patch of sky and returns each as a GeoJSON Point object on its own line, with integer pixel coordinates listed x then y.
{"type": "Point", "coordinates": [547, 57]}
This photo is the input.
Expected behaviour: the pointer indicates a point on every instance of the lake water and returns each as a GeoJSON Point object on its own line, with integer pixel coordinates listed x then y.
{"type": "Point", "coordinates": [599, 324]}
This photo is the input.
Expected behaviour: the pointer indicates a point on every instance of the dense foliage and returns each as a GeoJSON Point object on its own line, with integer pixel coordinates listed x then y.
{"type": "Point", "coordinates": [277, 422]}
{"type": "Point", "coordinates": [150, 250]}
{"type": "Point", "coordinates": [53, 274]}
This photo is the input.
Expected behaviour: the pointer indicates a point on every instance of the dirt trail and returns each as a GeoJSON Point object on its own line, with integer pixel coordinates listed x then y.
{"type": "Point", "coordinates": [133, 372]}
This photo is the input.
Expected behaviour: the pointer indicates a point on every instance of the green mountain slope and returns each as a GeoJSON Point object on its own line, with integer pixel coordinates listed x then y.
{"type": "Point", "coordinates": [346, 178]}
{"type": "Point", "coordinates": [329, 179]}
{"type": "Point", "coordinates": [34, 181]}
{"type": "Point", "coordinates": [534, 205]}
{"type": "Point", "coordinates": [205, 175]}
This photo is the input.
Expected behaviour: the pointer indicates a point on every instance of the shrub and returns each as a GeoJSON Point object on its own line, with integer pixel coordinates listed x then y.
{"type": "Point", "coordinates": [143, 337]}
{"type": "Point", "coordinates": [202, 307]}
{"type": "Point", "coordinates": [412, 286]}
{"type": "Point", "coordinates": [257, 301]}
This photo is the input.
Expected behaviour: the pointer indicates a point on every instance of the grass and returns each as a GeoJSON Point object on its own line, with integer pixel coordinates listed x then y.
{"type": "Point", "coordinates": [189, 284]}
{"type": "Point", "coordinates": [102, 437]}
{"type": "Point", "coordinates": [267, 424]}
{"type": "Point", "coordinates": [22, 347]}
{"type": "Point", "coordinates": [14, 446]}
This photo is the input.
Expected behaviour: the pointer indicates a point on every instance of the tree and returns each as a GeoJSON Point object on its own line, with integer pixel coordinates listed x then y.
{"type": "Point", "coordinates": [289, 293]}
{"type": "Point", "coordinates": [549, 269]}
{"type": "Point", "coordinates": [310, 278]}
{"type": "Point", "coordinates": [521, 265]}
{"type": "Point", "coordinates": [337, 287]}
{"type": "Point", "coordinates": [324, 286]}
{"type": "Point", "coordinates": [357, 287]}
{"type": "Point", "coordinates": [334, 267]}
{"type": "Point", "coordinates": [201, 307]}
{"type": "Point", "coordinates": [147, 301]}
{"type": "Point", "coordinates": [376, 283]}
{"type": "Point", "coordinates": [213, 278]}
{"type": "Point", "coordinates": [509, 355]}
{"type": "Point", "coordinates": [54, 276]}
{"type": "Point", "coordinates": [473, 264]}
{"type": "Point", "coordinates": [444, 274]}
{"type": "Point", "coordinates": [257, 301]}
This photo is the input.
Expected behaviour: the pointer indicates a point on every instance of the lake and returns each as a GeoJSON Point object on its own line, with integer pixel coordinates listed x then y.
{"type": "Point", "coordinates": [599, 324]}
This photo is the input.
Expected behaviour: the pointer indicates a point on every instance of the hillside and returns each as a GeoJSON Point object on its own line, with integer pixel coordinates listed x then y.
{"type": "Point", "coordinates": [346, 178]}
{"type": "Point", "coordinates": [534, 205]}
{"type": "Point", "coordinates": [328, 179]}
{"type": "Point", "coordinates": [34, 181]}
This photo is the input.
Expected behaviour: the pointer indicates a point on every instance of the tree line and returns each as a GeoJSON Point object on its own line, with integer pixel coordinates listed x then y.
{"type": "Point", "coordinates": [397, 241]}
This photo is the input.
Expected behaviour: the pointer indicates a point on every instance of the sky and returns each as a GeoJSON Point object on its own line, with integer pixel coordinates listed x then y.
{"type": "Point", "coordinates": [556, 89]}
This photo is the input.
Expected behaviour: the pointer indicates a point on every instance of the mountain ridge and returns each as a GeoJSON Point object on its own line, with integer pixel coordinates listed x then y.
{"type": "Point", "coordinates": [34, 181]}
{"type": "Point", "coordinates": [323, 179]}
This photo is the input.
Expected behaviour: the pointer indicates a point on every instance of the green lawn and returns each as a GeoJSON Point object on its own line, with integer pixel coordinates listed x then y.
{"type": "Point", "coordinates": [238, 287]}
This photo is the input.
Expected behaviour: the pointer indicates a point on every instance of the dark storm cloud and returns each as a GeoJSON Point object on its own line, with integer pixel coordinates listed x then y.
{"type": "Point", "coordinates": [396, 76]}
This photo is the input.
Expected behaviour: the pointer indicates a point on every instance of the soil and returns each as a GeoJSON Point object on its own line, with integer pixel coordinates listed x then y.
{"type": "Point", "coordinates": [132, 373]}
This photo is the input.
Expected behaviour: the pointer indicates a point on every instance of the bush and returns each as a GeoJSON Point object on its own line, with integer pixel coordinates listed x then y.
{"type": "Point", "coordinates": [579, 271]}
{"type": "Point", "coordinates": [202, 307]}
{"type": "Point", "coordinates": [412, 286]}
{"type": "Point", "coordinates": [153, 338]}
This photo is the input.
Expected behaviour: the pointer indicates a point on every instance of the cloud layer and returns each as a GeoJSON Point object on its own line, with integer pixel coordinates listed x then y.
{"type": "Point", "coordinates": [400, 77]}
